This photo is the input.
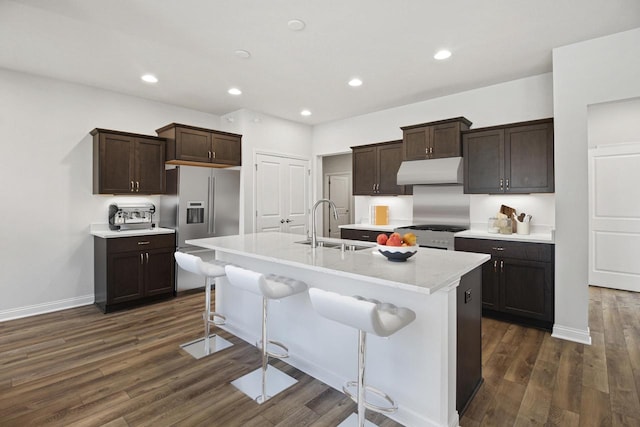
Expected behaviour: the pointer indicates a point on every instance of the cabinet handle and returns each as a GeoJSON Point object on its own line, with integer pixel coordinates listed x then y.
{"type": "Point", "coordinates": [146, 255]}
{"type": "Point", "coordinates": [497, 248]}
{"type": "Point", "coordinates": [377, 188]}
{"type": "Point", "coordinates": [282, 221]}
{"type": "Point", "coordinates": [507, 184]}
{"type": "Point", "coordinates": [144, 242]}
{"type": "Point", "coordinates": [502, 266]}
{"type": "Point", "coordinates": [288, 221]}
{"type": "Point", "coordinates": [141, 258]}
{"type": "Point", "coordinates": [131, 185]}
{"type": "Point", "coordinates": [431, 150]}
{"type": "Point", "coordinates": [501, 184]}
{"type": "Point", "coordinates": [209, 154]}
{"type": "Point", "coordinates": [495, 266]}
{"type": "Point", "coordinates": [137, 186]}
{"type": "Point", "coordinates": [365, 236]}
{"type": "Point", "coordinates": [426, 151]}
{"type": "Point", "coordinates": [214, 154]}
{"type": "Point", "coordinates": [373, 188]}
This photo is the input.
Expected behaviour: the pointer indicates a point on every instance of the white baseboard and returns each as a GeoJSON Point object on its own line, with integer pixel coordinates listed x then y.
{"type": "Point", "coordinates": [48, 307]}
{"type": "Point", "coordinates": [571, 334]}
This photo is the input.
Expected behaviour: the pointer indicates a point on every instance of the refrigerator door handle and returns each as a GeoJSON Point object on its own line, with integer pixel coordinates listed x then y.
{"type": "Point", "coordinates": [211, 196]}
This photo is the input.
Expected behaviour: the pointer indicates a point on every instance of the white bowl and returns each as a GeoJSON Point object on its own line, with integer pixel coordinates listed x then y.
{"type": "Point", "coordinates": [397, 253]}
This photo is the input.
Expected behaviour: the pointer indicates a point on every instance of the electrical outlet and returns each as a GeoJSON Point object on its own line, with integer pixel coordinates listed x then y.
{"type": "Point", "coordinates": [467, 296]}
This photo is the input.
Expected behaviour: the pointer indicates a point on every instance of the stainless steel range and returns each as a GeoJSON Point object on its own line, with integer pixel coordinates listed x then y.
{"type": "Point", "coordinates": [439, 211]}
{"type": "Point", "coordinates": [433, 236]}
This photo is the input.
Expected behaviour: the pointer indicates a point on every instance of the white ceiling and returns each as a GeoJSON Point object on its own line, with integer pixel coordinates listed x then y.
{"type": "Point", "coordinates": [190, 44]}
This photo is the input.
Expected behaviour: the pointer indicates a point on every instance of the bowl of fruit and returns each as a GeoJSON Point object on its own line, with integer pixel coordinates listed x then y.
{"type": "Point", "coordinates": [396, 247]}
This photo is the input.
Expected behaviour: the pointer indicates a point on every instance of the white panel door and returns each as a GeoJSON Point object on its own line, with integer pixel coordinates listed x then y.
{"type": "Point", "coordinates": [339, 192]}
{"type": "Point", "coordinates": [282, 195]}
{"type": "Point", "coordinates": [614, 216]}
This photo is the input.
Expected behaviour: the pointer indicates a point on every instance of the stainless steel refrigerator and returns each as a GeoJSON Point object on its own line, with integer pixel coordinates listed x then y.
{"type": "Point", "coordinates": [200, 202]}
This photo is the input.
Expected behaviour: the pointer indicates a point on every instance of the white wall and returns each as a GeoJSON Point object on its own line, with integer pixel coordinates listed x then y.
{"type": "Point", "coordinates": [600, 70]}
{"type": "Point", "coordinates": [613, 122]}
{"type": "Point", "coordinates": [262, 133]}
{"type": "Point", "coordinates": [47, 200]}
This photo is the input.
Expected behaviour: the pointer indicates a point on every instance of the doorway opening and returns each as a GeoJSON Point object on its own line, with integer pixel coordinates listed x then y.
{"type": "Point", "coordinates": [336, 186]}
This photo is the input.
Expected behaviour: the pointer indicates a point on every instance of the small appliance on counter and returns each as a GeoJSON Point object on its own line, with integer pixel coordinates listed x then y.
{"type": "Point", "coordinates": [131, 216]}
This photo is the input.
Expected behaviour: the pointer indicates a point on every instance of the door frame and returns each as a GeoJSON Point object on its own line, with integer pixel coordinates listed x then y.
{"type": "Point", "coordinates": [326, 195]}
{"type": "Point", "coordinates": [256, 152]}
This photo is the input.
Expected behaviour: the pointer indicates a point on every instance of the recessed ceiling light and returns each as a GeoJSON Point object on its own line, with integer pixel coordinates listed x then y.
{"type": "Point", "coordinates": [355, 82]}
{"type": "Point", "coordinates": [296, 25]}
{"type": "Point", "coordinates": [234, 91]}
{"type": "Point", "coordinates": [244, 54]}
{"type": "Point", "coordinates": [305, 112]}
{"type": "Point", "coordinates": [442, 54]}
{"type": "Point", "coordinates": [149, 78]}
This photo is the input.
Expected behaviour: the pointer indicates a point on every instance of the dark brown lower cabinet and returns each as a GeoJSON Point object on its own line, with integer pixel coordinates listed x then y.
{"type": "Point", "coordinates": [130, 271]}
{"type": "Point", "coordinates": [359, 234]}
{"type": "Point", "coordinates": [518, 281]}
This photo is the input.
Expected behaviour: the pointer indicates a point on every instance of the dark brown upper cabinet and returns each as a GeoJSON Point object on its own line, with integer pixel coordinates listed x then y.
{"type": "Point", "coordinates": [375, 169]}
{"type": "Point", "coordinates": [434, 140]}
{"type": "Point", "coordinates": [201, 147]}
{"type": "Point", "coordinates": [515, 158]}
{"type": "Point", "coordinates": [127, 163]}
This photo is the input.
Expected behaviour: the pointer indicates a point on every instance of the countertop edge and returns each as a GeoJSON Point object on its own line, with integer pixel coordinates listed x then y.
{"type": "Point", "coordinates": [110, 234]}
{"type": "Point", "coordinates": [530, 238]}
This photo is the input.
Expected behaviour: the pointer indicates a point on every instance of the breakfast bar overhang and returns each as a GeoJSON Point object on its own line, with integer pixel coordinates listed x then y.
{"type": "Point", "coordinates": [416, 366]}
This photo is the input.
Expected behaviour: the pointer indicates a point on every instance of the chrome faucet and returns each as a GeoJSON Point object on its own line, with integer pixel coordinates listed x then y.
{"type": "Point", "coordinates": [314, 238]}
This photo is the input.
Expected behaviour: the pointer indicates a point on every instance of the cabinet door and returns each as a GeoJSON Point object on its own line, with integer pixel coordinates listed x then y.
{"type": "Point", "coordinates": [364, 235]}
{"type": "Point", "coordinates": [416, 143]}
{"type": "Point", "coordinates": [364, 171]}
{"type": "Point", "coordinates": [116, 164]}
{"type": "Point", "coordinates": [193, 145]}
{"type": "Point", "coordinates": [445, 141]}
{"type": "Point", "coordinates": [149, 166]}
{"type": "Point", "coordinates": [526, 289]}
{"type": "Point", "coordinates": [226, 149]}
{"type": "Point", "coordinates": [483, 162]}
{"type": "Point", "coordinates": [529, 159]}
{"type": "Point", "coordinates": [490, 284]}
{"type": "Point", "coordinates": [388, 162]}
{"type": "Point", "coordinates": [159, 271]}
{"type": "Point", "coordinates": [124, 277]}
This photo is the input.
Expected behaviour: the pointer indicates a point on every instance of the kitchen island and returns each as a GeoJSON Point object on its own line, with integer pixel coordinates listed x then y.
{"type": "Point", "coordinates": [416, 366]}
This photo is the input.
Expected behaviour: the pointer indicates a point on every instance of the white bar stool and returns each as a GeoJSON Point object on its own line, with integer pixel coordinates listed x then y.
{"type": "Point", "coordinates": [210, 343]}
{"type": "Point", "coordinates": [266, 381]}
{"type": "Point", "coordinates": [368, 316]}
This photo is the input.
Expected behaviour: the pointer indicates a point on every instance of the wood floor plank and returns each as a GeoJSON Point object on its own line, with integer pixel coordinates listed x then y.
{"type": "Point", "coordinates": [594, 372]}
{"type": "Point", "coordinates": [595, 410]}
{"type": "Point", "coordinates": [505, 412]}
{"type": "Point", "coordinates": [568, 387]}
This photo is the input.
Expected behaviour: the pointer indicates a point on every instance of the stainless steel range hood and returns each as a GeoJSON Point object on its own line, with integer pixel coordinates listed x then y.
{"type": "Point", "coordinates": [431, 172]}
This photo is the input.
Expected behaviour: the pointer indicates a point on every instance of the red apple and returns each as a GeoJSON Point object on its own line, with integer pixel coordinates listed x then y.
{"type": "Point", "coordinates": [394, 240]}
{"type": "Point", "coordinates": [382, 239]}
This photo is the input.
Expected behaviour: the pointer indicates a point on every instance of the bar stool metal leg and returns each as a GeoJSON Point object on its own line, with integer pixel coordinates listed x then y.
{"type": "Point", "coordinates": [210, 343]}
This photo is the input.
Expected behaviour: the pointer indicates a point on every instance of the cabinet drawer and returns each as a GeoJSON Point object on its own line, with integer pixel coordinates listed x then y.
{"type": "Point", "coordinates": [353, 234]}
{"type": "Point", "coordinates": [507, 249]}
{"type": "Point", "coordinates": [140, 243]}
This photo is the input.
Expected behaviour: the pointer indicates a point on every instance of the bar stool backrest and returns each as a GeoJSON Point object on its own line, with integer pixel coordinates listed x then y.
{"type": "Point", "coordinates": [271, 286]}
{"type": "Point", "coordinates": [195, 265]}
{"type": "Point", "coordinates": [371, 316]}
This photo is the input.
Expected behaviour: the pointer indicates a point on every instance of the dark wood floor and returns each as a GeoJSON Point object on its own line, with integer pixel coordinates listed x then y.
{"type": "Point", "coordinates": [81, 367]}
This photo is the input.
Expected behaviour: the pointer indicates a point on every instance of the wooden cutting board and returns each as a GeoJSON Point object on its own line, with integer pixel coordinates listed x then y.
{"type": "Point", "coordinates": [509, 212]}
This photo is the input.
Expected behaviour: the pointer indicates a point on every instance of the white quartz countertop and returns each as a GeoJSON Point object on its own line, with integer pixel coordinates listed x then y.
{"type": "Point", "coordinates": [536, 237]}
{"type": "Point", "coordinates": [426, 272]}
{"type": "Point", "coordinates": [389, 227]}
{"type": "Point", "coordinates": [100, 230]}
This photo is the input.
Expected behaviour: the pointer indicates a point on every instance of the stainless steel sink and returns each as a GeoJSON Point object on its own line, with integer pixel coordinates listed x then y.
{"type": "Point", "coordinates": [335, 245]}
